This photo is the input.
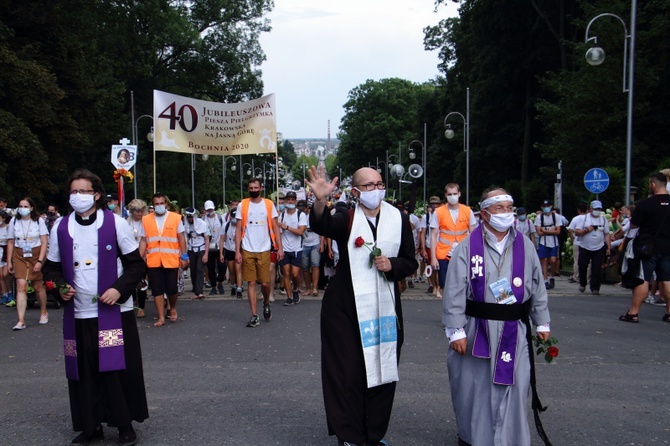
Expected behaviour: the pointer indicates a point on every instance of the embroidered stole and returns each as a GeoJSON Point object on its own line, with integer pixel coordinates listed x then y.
{"type": "Point", "coordinates": [374, 295]}
{"type": "Point", "coordinates": [506, 354]}
{"type": "Point", "coordinates": [111, 353]}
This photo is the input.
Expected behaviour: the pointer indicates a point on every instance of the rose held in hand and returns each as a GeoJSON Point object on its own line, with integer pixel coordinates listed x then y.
{"type": "Point", "coordinates": [552, 351]}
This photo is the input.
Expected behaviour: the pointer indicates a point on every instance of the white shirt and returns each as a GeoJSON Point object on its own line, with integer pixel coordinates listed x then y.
{"type": "Point", "coordinates": [85, 258]}
{"type": "Point", "coordinates": [256, 234]}
{"type": "Point", "coordinates": [26, 232]}
{"type": "Point", "coordinates": [547, 221]}
{"type": "Point", "coordinates": [595, 239]}
{"type": "Point", "coordinates": [311, 238]}
{"type": "Point", "coordinates": [525, 227]}
{"type": "Point", "coordinates": [292, 242]}
{"type": "Point", "coordinates": [229, 237]}
{"type": "Point", "coordinates": [195, 234]}
{"type": "Point", "coordinates": [577, 223]}
{"type": "Point", "coordinates": [215, 229]}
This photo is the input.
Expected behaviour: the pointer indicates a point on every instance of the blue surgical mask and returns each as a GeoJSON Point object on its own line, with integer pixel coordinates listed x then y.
{"type": "Point", "coordinates": [111, 206]}
{"type": "Point", "coordinates": [160, 209]}
{"type": "Point", "coordinates": [522, 217]}
{"type": "Point", "coordinates": [24, 212]}
{"type": "Point", "coordinates": [546, 210]}
{"type": "Point", "coordinates": [281, 207]}
{"type": "Point", "coordinates": [290, 206]}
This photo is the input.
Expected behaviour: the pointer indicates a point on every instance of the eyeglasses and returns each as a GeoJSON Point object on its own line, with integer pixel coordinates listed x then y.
{"type": "Point", "coordinates": [82, 191]}
{"type": "Point", "coordinates": [135, 210]}
{"type": "Point", "coordinates": [371, 186]}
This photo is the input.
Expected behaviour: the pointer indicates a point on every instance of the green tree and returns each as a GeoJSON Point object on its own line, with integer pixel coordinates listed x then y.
{"type": "Point", "coordinates": [69, 68]}
{"type": "Point", "coordinates": [379, 116]}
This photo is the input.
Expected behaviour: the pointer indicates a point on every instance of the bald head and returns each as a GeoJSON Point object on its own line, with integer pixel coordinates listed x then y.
{"type": "Point", "coordinates": [366, 175]}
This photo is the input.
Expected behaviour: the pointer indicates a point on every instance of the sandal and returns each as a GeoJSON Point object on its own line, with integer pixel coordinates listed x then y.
{"type": "Point", "coordinates": [629, 318]}
{"type": "Point", "coordinates": [666, 317]}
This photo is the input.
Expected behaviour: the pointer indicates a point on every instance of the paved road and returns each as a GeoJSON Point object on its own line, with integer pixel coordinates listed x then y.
{"type": "Point", "coordinates": [212, 381]}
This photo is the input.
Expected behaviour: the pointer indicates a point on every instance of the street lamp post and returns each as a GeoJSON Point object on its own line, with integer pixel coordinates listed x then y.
{"type": "Point", "coordinates": [303, 165]}
{"type": "Point", "coordinates": [413, 147]}
{"type": "Point", "coordinates": [242, 171]}
{"type": "Point", "coordinates": [449, 133]}
{"type": "Point", "coordinates": [596, 55]}
{"type": "Point", "coordinates": [224, 160]}
{"type": "Point", "coordinates": [150, 138]}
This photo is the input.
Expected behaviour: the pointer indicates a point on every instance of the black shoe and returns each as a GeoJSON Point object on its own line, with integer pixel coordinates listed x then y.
{"type": "Point", "coordinates": [430, 289]}
{"type": "Point", "coordinates": [127, 436]}
{"type": "Point", "coordinates": [267, 313]}
{"type": "Point", "coordinates": [253, 322]}
{"type": "Point", "coordinates": [296, 297]}
{"type": "Point", "coordinates": [410, 283]}
{"type": "Point", "coordinates": [552, 284]}
{"type": "Point", "coordinates": [288, 302]}
{"type": "Point", "coordinates": [233, 290]}
{"type": "Point", "coordinates": [84, 438]}
{"type": "Point", "coordinates": [239, 293]}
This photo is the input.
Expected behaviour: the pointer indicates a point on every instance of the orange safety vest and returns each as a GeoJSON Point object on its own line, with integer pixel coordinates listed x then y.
{"type": "Point", "coordinates": [245, 211]}
{"type": "Point", "coordinates": [451, 232]}
{"type": "Point", "coordinates": [162, 248]}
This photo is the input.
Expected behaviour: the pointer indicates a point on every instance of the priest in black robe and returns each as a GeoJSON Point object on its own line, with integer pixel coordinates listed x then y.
{"type": "Point", "coordinates": [361, 315]}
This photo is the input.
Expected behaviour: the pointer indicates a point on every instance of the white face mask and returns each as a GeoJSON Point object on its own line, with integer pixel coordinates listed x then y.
{"type": "Point", "coordinates": [24, 212]}
{"type": "Point", "coordinates": [81, 203]}
{"type": "Point", "coordinates": [595, 213]}
{"type": "Point", "coordinates": [502, 222]}
{"type": "Point", "coordinates": [371, 198]}
{"type": "Point", "coordinates": [452, 199]}
{"type": "Point", "coordinates": [160, 209]}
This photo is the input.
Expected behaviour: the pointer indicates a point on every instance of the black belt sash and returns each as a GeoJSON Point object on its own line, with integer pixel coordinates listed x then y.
{"type": "Point", "coordinates": [497, 312]}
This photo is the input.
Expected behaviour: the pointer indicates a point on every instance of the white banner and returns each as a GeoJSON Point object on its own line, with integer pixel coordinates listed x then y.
{"type": "Point", "coordinates": [189, 125]}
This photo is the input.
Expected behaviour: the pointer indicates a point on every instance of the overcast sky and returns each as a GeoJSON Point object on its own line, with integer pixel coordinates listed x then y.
{"type": "Point", "coordinates": [319, 50]}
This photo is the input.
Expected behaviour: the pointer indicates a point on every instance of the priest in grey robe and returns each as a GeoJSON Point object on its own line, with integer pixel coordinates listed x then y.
{"type": "Point", "coordinates": [491, 408]}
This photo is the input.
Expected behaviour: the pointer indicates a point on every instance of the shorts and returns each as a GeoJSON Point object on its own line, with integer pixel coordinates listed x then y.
{"type": "Point", "coordinates": [660, 263]}
{"type": "Point", "coordinates": [163, 281]}
{"type": "Point", "coordinates": [228, 256]}
{"type": "Point", "coordinates": [544, 252]}
{"type": "Point", "coordinates": [256, 266]}
{"type": "Point", "coordinates": [311, 257]}
{"type": "Point", "coordinates": [292, 258]}
{"type": "Point", "coordinates": [444, 265]}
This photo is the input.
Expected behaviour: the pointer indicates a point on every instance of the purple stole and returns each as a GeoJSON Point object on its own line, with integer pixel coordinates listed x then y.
{"type": "Point", "coordinates": [506, 354]}
{"type": "Point", "coordinates": [111, 353]}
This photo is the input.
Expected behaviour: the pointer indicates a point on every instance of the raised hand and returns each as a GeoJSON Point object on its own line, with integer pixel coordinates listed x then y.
{"type": "Point", "coordinates": [320, 186]}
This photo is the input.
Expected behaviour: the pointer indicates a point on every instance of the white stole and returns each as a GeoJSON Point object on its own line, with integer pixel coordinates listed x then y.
{"type": "Point", "coordinates": [375, 296]}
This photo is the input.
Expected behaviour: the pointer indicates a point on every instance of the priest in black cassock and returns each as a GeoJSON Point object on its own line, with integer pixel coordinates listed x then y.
{"type": "Point", "coordinates": [361, 315]}
{"type": "Point", "coordinates": [94, 264]}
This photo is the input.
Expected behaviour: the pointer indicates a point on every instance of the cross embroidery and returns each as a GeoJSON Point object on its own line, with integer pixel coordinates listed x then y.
{"type": "Point", "coordinates": [70, 347]}
{"type": "Point", "coordinates": [506, 357]}
{"type": "Point", "coordinates": [476, 261]}
{"type": "Point", "coordinates": [110, 338]}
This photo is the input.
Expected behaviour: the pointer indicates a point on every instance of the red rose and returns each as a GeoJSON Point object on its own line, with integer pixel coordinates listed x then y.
{"type": "Point", "coordinates": [359, 242]}
{"type": "Point", "coordinates": [552, 351]}
{"type": "Point", "coordinates": [50, 285]}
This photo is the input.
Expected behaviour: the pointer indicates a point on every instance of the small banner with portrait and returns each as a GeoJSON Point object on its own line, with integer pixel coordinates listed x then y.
{"type": "Point", "coordinates": [190, 125]}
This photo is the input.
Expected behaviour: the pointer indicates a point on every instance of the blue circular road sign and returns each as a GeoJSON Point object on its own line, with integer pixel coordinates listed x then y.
{"type": "Point", "coordinates": [596, 181]}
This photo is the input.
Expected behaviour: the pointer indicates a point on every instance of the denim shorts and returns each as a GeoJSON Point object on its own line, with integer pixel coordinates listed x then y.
{"type": "Point", "coordinates": [311, 257]}
{"type": "Point", "coordinates": [659, 263]}
{"type": "Point", "coordinates": [544, 252]}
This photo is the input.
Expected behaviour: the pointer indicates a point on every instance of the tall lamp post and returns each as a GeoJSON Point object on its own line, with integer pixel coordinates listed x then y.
{"type": "Point", "coordinates": [449, 133]}
{"type": "Point", "coordinates": [242, 166]}
{"type": "Point", "coordinates": [150, 138]}
{"type": "Point", "coordinates": [596, 55]}
{"type": "Point", "coordinates": [415, 146]}
{"type": "Point", "coordinates": [224, 161]}
{"type": "Point", "coordinates": [303, 165]}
